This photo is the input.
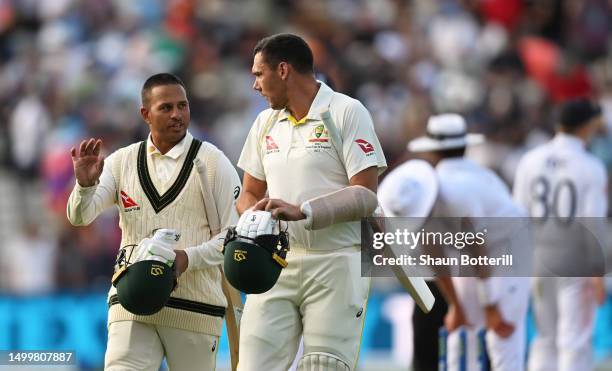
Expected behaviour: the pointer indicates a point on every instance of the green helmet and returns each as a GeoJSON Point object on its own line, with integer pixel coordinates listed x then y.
{"type": "Point", "coordinates": [253, 265]}
{"type": "Point", "coordinates": [144, 287]}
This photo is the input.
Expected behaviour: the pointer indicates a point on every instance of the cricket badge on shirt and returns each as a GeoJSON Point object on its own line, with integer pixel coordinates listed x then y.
{"type": "Point", "coordinates": [271, 146]}
{"type": "Point", "coordinates": [128, 203]}
{"type": "Point", "coordinates": [366, 147]}
{"type": "Point", "coordinates": [318, 139]}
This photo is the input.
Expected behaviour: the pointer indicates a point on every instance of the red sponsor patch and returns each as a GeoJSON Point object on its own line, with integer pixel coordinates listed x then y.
{"type": "Point", "coordinates": [365, 146]}
{"type": "Point", "coordinates": [270, 143]}
{"type": "Point", "coordinates": [127, 201]}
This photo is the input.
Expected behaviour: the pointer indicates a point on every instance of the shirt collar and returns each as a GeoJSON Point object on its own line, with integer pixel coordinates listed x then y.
{"type": "Point", "coordinates": [319, 105]}
{"type": "Point", "coordinates": [175, 152]}
{"type": "Point", "coordinates": [568, 140]}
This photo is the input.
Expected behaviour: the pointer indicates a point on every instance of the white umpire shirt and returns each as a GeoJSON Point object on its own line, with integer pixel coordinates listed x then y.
{"type": "Point", "coordinates": [468, 190]}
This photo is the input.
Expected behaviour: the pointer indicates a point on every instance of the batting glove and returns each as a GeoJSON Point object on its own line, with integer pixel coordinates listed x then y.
{"type": "Point", "coordinates": [160, 247]}
{"type": "Point", "coordinates": [256, 223]}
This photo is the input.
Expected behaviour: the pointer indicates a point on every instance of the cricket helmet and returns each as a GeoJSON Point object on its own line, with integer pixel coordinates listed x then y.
{"type": "Point", "coordinates": [144, 287]}
{"type": "Point", "coordinates": [253, 264]}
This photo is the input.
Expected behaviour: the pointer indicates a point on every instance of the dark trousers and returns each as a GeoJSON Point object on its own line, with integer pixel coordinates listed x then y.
{"type": "Point", "coordinates": [425, 327]}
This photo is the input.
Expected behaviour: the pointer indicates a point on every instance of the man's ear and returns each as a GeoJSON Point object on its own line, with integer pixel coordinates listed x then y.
{"type": "Point", "coordinates": [144, 112]}
{"type": "Point", "coordinates": [283, 70]}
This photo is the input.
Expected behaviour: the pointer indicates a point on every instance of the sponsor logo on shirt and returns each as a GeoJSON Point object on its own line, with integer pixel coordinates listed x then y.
{"type": "Point", "coordinates": [270, 143]}
{"type": "Point", "coordinates": [271, 146]}
{"type": "Point", "coordinates": [365, 146]}
{"type": "Point", "coordinates": [128, 203]}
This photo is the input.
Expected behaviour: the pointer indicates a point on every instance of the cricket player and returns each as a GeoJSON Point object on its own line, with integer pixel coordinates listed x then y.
{"type": "Point", "coordinates": [315, 152]}
{"type": "Point", "coordinates": [561, 179]}
{"type": "Point", "coordinates": [467, 190]}
{"type": "Point", "coordinates": [411, 190]}
{"type": "Point", "coordinates": [154, 185]}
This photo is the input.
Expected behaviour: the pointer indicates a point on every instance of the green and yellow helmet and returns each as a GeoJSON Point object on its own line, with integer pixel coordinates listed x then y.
{"type": "Point", "coordinates": [253, 265]}
{"type": "Point", "coordinates": [144, 287]}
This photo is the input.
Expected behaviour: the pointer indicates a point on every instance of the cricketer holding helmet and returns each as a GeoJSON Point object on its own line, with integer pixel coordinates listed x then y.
{"type": "Point", "coordinates": [154, 185]}
{"type": "Point", "coordinates": [322, 184]}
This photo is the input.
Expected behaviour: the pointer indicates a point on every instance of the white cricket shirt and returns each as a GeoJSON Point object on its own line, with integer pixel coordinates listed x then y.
{"type": "Point", "coordinates": [298, 160]}
{"type": "Point", "coordinates": [561, 179]}
{"type": "Point", "coordinates": [470, 190]}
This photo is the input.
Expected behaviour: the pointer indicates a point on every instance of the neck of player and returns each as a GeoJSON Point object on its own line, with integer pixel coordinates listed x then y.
{"type": "Point", "coordinates": [301, 95]}
{"type": "Point", "coordinates": [164, 145]}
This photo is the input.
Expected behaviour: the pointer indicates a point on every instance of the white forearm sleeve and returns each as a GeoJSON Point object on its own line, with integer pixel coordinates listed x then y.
{"type": "Point", "coordinates": [346, 205]}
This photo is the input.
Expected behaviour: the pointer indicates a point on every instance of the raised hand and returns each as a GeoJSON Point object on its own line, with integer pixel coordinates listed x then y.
{"type": "Point", "coordinates": [87, 162]}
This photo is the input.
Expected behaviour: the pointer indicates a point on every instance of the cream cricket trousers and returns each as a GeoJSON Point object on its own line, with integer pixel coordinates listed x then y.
{"type": "Point", "coordinates": [564, 309]}
{"type": "Point", "coordinates": [505, 354]}
{"type": "Point", "coordinates": [141, 346]}
{"type": "Point", "coordinates": [321, 295]}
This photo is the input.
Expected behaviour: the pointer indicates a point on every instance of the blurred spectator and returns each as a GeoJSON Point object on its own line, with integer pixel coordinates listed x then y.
{"type": "Point", "coordinates": [28, 126]}
{"type": "Point", "coordinates": [32, 261]}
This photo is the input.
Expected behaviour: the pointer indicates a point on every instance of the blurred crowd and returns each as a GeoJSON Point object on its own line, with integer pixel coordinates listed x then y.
{"type": "Point", "coordinates": [73, 69]}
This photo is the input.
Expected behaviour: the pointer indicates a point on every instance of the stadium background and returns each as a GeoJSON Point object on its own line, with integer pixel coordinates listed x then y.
{"type": "Point", "coordinates": [71, 69]}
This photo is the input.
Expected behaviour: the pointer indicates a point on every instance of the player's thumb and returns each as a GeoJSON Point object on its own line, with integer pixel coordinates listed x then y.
{"type": "Point", "coordinates": [261, 204]}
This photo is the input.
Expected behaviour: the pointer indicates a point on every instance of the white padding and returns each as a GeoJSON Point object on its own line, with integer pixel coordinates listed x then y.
{"type": "Point", "coordinates": [166, 235]}
{"type": "Point", "coordinates": [161, 250]}
{"type": "Point", "coordinates": [319, 361]}
{"type": "Point", "coordinates": [256, 223]}
{"type": "Point", "coordinates": [160, 247]}
{"type": "Point", "coordinates": [345, 205]}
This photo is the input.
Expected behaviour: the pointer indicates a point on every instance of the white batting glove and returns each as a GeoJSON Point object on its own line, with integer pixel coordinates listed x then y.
{"type": "Point", "coordinates": [256, 223]}
{"type": "Point", "coordinates": [166, 235]}
{"type": "Point", "coordinates": [160, 247]}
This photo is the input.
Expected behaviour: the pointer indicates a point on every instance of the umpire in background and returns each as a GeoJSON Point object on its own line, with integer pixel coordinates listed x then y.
{"type": "Point", "coordinates": [154, 185]}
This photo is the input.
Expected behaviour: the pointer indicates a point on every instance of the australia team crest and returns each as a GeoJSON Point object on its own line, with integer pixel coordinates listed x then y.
{"type": "Point", "coordinates": [319, 135]}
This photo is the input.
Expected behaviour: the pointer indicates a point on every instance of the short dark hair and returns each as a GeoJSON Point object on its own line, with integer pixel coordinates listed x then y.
{"type": "Point", "coordinates": [576, 113]}
{"type": "Point", "coordinates": [288, 48]}
{"type": "Point", "coordinates": [159, 79]}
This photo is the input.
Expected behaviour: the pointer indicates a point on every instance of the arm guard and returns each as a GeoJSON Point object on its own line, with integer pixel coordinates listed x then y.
{"type": "Point", "coordinates": [346, 205]}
